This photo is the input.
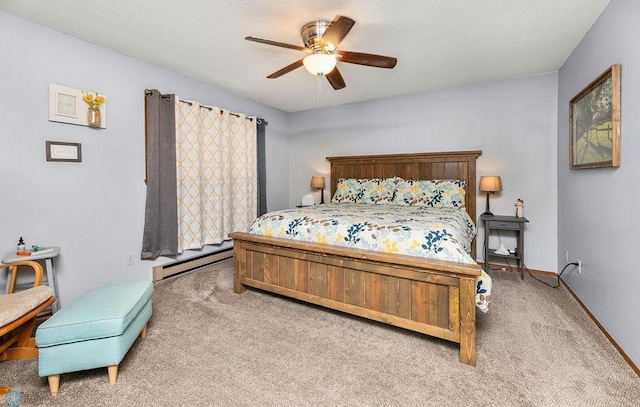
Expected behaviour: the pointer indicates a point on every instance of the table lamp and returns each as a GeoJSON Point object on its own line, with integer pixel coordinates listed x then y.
{"type": "Point", "coordinates": [318, 183]}
{"type": "Point", "coordinates": [490, 184]}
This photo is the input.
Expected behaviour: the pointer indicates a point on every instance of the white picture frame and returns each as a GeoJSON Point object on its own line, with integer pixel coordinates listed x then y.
{"type": "Point", "coordinates": [66, 106]}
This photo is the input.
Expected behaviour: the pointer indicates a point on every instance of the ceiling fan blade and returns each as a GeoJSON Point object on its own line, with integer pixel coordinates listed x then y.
{"type": "Point", "coordinates": [378, 61]}
{"type": "Point", "coordinates": [337, 30]}
{"type": "Point", "coordinates": [286, 69]}
{"type": "Point", "coordinates": [335, 79]}
{"type": "Point", "coordinates": [277, 44]}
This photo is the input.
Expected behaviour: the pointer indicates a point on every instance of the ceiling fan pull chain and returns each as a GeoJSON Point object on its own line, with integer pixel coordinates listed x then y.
{"type": "Point", "coordinates": [319, 85]}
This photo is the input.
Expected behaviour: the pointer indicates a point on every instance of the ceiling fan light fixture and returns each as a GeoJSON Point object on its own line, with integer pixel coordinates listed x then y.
{"type": "Point", "coordinates": [319, 64]}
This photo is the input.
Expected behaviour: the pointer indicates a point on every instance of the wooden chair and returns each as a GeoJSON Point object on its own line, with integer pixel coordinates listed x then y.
{"type": "Point", "coordinates": [18, 312]}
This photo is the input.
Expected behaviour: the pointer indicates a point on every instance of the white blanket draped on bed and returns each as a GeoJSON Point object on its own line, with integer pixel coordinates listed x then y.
{"type": "Point", "coordinates": [435, 233]}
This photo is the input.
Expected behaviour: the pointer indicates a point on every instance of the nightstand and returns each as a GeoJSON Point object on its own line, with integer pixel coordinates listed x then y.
{"type": "Point", "coordinates": [513, 224]}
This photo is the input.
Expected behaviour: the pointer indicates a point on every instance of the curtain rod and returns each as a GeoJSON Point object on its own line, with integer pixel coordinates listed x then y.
{"type": "Point", "coordinates": [148, 92]}
{"type": "Point", "coordinates": [210, 108]}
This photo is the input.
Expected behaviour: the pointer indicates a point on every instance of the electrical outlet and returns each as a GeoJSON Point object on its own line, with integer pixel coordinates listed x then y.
{"type": "Point", "coordinates": [579, 266]}
{"type": "Point", "coordinates": [130, 259]}
{"type": "Point", "coordinates": [566, 255]}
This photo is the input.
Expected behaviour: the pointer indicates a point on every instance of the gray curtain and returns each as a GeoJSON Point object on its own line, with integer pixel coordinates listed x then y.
{"type": "Point", "coordinates": [262, 167]}
{"type": "Point", "coordinates": [160, 236]}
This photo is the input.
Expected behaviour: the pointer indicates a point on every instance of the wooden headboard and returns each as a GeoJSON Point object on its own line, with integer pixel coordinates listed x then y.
{"type": "Point", "coordinates": [446, 165]}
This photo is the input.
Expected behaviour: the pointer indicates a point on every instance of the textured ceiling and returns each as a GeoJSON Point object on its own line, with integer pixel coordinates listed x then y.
{"type": "Point", "coordinates": [438, 43]}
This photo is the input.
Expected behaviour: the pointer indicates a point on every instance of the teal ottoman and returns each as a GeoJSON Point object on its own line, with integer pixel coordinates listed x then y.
{"type": "Point", "coordinates": [96, 330]}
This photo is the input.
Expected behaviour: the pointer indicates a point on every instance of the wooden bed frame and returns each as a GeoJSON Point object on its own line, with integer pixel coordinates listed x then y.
{"type": "Point", "coordinates": [436, 298]}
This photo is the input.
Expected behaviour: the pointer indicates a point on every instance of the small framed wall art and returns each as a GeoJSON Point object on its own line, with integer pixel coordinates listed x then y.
{"type": "Point", "coordinates": [594, 116]}
{"type": "Point", "coordinates": [66, 152]}
{"type": "Point", "coordinates": [73, 106]}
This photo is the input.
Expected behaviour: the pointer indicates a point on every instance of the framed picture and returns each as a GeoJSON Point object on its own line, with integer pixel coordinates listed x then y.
{"type": "Point", "coordinates": [60, 151]}
{"type": "Point", "coordinates": [594, 116]}
{"type": "Point", "coordinates": [68, 105]}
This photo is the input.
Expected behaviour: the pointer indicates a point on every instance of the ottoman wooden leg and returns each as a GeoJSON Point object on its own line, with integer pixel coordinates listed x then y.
{"type": "Point", "coordinates": [143, 333]}
{"type": "Point", "coordinates": [113, 374]}
{"type": "Point", "coordinates": [54, 384]}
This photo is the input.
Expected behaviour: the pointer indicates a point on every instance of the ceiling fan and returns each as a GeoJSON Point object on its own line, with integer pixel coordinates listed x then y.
{"type": "Point", "coordinates": [321, 39]}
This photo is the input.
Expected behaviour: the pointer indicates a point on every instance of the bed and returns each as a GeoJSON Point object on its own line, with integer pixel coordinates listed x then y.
{"type": "Point", "coordinates": [432, 296]}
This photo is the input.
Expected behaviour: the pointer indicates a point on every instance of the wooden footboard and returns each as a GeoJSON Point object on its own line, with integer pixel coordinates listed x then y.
{"type": "Point", "coordinates": [436, 298]}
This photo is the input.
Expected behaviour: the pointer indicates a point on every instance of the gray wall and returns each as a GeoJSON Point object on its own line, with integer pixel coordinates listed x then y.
{"type": "Point", "coordinates": [93, 210]}
{"type": "Point", "coordinates": [593, 224]}
{"type": "Point", "coordinates": [514, 123]}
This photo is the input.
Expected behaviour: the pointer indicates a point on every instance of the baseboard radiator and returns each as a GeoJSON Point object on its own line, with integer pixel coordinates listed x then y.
{"type": "Point", "coordinates": [180, 266]}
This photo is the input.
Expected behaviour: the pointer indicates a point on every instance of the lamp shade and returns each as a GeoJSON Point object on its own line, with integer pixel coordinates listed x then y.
{"type": "Point", "coordinates": [490, 184]}
{"type": "Point", "coordinates": [319, 64]}
{"type": "Point", "coordinates": [317, 182]}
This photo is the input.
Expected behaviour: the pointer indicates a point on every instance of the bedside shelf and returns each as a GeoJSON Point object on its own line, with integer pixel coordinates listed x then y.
{"type": "Point", "coordinates": [493, 253]}
{"type": "Point", "coordinates": [511, 224]}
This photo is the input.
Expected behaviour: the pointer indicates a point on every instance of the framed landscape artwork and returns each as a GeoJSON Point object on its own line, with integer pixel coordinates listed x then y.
{"type": "Point", "coordinates": [594, 116]}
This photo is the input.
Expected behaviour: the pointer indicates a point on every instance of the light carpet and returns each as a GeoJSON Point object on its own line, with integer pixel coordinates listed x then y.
{"type": "Point", "coordinates": [207, 346]}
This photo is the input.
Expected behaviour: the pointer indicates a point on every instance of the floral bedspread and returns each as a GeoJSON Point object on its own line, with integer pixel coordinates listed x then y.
{"type": "Point", "coordinates": [435, 233]}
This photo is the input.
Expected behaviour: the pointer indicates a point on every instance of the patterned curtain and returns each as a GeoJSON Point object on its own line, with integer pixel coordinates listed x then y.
{"type": "Point", "coordinates": [216, 162]}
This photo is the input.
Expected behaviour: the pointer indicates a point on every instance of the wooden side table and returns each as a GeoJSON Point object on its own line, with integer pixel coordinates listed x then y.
{"type": "Point", "coordinates": [510, 223]}
{"type": "Point", "coordinates": [12, 257]}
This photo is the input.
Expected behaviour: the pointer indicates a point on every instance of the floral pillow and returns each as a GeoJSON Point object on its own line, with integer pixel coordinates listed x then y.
{"type": "Point", "coordinates": [347, 190]}
{"type": "Point", "coordinates": [431, 193]}
{"type": "Point", "coordinates": [377, 191]}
